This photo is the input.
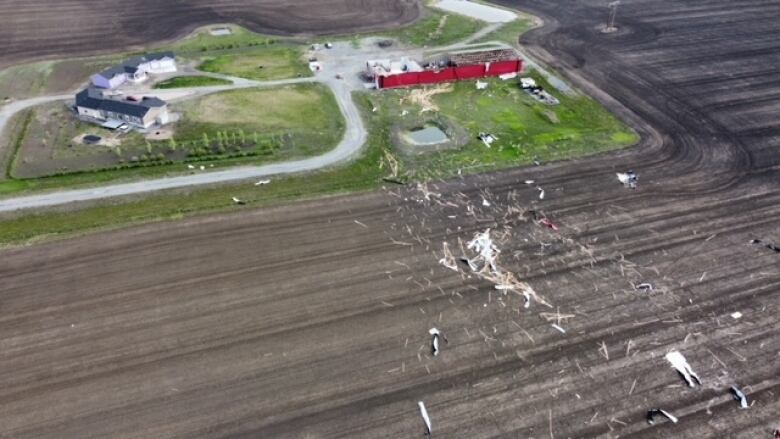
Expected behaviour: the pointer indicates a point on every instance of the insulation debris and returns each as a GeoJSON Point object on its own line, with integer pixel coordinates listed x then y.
{"type": "Point", "coordinates": [487, 250]}
{"type": "Point", "coordinates": [629, 179]}
{"type": "Point", "coordinates": [679, 362]}
{"type": "Point", "coordinates": [262, 182]}
{"type": "Point", "coordinates": [238, 201]}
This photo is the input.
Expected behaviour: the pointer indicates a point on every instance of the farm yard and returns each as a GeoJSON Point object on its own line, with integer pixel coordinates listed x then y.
{"type": "Point", "coordinates": [246, 126]}
{"type": "Point", "coordinates": [525, 129]}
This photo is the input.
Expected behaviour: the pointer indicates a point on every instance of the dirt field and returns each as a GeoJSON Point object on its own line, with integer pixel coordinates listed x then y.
{"type": "Point", "coordinates": [114, 25]}
{"type": "Point", "coordinates": [310, 321]}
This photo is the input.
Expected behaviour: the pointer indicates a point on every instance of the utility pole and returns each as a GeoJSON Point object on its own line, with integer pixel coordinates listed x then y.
{"type": "Point", "coordinates": [612, 14]}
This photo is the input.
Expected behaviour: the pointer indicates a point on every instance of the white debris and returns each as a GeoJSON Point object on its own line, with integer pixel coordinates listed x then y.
{"type": "Point", "coordinates": [508, 76]}
{"type": "Point", "coordinates": [563, 331]}
{"type": "Point", "coordinates": [740, 396]}
{"type": "Point", "coordinates": [736, 315]}
{"type": "Point", "coordinates": [262, 182]}
{"type": "Point", "coordinates": [481, 85]}
{"type": "Point", "coordinates": [541, 193]}
{"type": "Point", "coordinates": [651, 416]}
{"type": "Point", "coordinates": [435, 335]}
{"type": "Point", "coordinates": [237, 201]}
{"type": "Point", "coordinates": [447, 259]}
{"type": "Point", "coordinates": [202, 168]}
{"type": "Point", "coordinates": [679, 362]}
{"type": "Point", "coordinates": [485, 203]}
{"type": "Point", "coordinates": [190, 167]}
{"type": "Point", "coordinates": [629, 179]}
{"type": "Point", "coordinates": [426, 193]}
{"type": "Point", "coordinates": [487, 138]}
{"type": "Point", "coordinates": [527, 82]}
{"type": "Point", "coordinates": [644, 287]}
{"type": "Point", "coordinates": [529, 182]}
{"type": "Point", "coordinates": [488, 252]}
{"type": "Point", "coordinates": [425, 417]}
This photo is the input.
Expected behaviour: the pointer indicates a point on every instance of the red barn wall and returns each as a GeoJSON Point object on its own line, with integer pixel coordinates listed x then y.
{"type": "Point", "coordinates": [450, 74]}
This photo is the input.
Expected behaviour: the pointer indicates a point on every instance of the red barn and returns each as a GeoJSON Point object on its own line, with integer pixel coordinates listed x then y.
{"type": "Point", "coordinates": [447, 68]}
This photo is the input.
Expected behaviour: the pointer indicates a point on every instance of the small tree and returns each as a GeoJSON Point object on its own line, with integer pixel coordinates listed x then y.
{"type": "Point", "coordinates": [256, 138]}
{"type": "Point", "coordinates": [235, 139]}
{"type": "Point", "coordinates": [118, 152]}
{"type": "Point", "coordinates": [148, 147]}
{"type": "Point", "coordinates": [242, 136]}
{"type": "Point", "coordinates": [172, 144]}
{"type": "Point", "coordinates": [206, 142]}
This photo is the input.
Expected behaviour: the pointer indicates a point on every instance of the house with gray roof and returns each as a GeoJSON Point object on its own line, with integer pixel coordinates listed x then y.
{"type": "Point", "coordinates": [136, 69]}
{"type": "Point", "coordinates": [144, 112]}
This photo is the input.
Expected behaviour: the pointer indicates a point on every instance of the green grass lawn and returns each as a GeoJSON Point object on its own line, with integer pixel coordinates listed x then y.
{"type": "Point", "coordinates": [262, 63]}
{"type": "Point", "coordinates": [510, 32]}
{"type": "Point", "coordinates": [202, 41]}
{"type": "Point", "coordinates": [434, 30]}
{"type": "Point", "coordinates": [191, 81]}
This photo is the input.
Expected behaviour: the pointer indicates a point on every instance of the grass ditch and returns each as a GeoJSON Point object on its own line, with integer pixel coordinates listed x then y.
{"type": "Point", "coordinates": [191, 81]}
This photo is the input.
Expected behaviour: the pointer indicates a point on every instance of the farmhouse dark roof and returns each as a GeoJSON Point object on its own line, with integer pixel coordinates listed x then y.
{"type": "Point", "coordinates": [93, 98]}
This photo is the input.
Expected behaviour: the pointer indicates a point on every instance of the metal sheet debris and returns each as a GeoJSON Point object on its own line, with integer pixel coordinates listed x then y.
{"type": "Point", "coordinates": [739, 396]}
{"type": "Point", "coordinates": [426, 418]}
{"type": "Point", "coordinates": [651, 414]}
{"type": "Point", "coordinates": [436, 337]}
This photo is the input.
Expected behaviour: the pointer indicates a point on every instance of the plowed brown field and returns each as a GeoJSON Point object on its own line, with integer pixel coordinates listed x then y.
{"type": "Point", "coordinates": [41, 28]}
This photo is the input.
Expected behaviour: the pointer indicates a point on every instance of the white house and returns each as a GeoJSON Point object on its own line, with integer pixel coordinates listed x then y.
{"type": "Point", "coordinates": [135, 69]}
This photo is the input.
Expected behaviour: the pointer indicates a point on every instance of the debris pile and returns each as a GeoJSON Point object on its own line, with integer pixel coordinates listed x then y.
{"type": "Point", "coordinates": [487, 138]}
{"type": "Point", "coordinates": [537, 92]}
{"type": "Point", "coordinates": [629, 179]}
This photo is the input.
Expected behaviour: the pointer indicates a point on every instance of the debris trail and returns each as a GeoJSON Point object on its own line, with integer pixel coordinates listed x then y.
{"type": "Point", "coordinates": [679, 362]}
